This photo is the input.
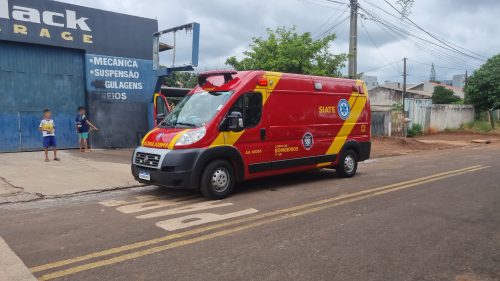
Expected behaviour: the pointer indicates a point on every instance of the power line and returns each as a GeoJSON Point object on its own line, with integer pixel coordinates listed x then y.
{"type": "Point", "coordinates": [325, 3]}
{"type": "Point", "coordinates": [389, 25]}
{"type": "Point", "coordinates": [407, 29]}
{"type": "Point", "coordinates": [334, 16]}
{"type": "Point", "coordinates": [393, 28]}
{"type": "Point", "coordinates": [337, 2]}
{"type": "Point", "coordinates": [382, 66]}
{"type": "Point", "coordinates": [436, 65]}
{"type": "Point", "coordinates": [432, 35]}
{"type": "Point", "coordinates": [331, 29]}
{"type": "Point", "coordinates": [403, 24]}
{"type": "Point", "coordinates": [443, 41]}
{"type": "Point", "coordinates": [373, 41]}
{"type": "Point", "coordinates": [432, 53]}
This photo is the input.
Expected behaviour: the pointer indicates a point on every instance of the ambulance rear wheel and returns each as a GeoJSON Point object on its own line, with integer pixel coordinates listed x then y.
{"type": "Point", "coordinates": [348, 164]}
{"type": "Point", "coordinates": [217, 180]}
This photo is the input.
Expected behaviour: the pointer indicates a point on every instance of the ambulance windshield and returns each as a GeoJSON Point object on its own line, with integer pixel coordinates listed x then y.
{"type": "Point", "coordinates": [196, 110]}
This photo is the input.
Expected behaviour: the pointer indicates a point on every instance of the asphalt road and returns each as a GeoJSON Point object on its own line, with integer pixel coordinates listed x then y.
{"type": "Point", "coordinates": [428, 216]}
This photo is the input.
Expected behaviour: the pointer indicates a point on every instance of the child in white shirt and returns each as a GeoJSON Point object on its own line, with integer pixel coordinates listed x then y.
{"type": "Point", "coordinates": [48, 130]}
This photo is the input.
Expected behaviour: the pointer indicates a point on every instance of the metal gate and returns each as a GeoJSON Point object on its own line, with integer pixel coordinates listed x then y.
{"type": "Point", "coordinates": [419, 112]}
{"type": "Point", "coordinates": [33, 78]}
{"type": "Point", "coordinates": [381, 123]}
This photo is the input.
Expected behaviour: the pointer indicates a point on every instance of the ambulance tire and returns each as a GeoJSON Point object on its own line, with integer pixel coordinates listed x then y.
{"type": "Point", "coordinates": [217, 180]}
{"type": "Point", "coordinates": [348, 164]}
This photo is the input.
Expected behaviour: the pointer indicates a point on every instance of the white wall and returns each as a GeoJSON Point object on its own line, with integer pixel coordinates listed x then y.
{"type": "Point", "coordinates": [450, 116]}
{"type": "Point", "coordinates": [383, 97]}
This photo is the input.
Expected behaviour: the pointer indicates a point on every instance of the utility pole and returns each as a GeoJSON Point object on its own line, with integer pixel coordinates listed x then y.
{"type": "Point", "coordinates": [404, 82]}
{"type": "Point", "coordinates": [466, 78]}
{"type": "Point", "coordinates": [406, 121]}
{"type": "Point", "coordinates": [353, 41]}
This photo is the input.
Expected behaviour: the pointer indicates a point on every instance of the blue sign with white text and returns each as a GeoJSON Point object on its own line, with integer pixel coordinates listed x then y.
{"type": "Point", "coordinates": [119, 79]}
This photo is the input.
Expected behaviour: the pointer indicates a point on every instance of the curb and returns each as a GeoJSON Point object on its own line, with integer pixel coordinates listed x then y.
{"type": "Point", "coordinates": [31, 197]}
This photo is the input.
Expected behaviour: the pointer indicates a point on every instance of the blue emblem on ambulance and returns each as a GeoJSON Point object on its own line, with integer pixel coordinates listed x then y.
{"type": "Point", "coordinates": [308, 141]}
{"type": "Point", "coordinates": [344, 109]}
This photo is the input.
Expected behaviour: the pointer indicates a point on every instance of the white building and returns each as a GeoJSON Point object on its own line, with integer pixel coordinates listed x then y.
{"type": "Point", "coordinates": [429, 88]}
{"type": "Point", "coordinates": [458, 81]}
{"type": "Point", "coordinates": [371, 81]}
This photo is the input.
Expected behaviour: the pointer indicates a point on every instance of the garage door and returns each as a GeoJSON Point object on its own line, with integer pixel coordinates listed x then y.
{"type": "Point", "coordinates": [33, 78]}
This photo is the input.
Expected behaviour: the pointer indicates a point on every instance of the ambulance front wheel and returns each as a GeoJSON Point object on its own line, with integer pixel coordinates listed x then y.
{"type": "Point", "coordinates": [348, 164]}
{"type": "Point", "coordinates": [217, 180]}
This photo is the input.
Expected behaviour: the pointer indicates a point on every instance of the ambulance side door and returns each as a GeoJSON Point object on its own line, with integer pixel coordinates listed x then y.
{"type": "Point", "coordinates": [251, 142]}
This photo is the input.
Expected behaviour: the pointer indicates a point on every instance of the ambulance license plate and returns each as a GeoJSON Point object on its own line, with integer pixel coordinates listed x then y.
{"type": "Point", "coordinates": [144, 175]}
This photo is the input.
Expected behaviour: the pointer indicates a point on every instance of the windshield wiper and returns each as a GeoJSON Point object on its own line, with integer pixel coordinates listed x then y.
{"type": "Point", "coordinates": [166, 125]}
{"type": "Point", "coordinates": [185, 124]}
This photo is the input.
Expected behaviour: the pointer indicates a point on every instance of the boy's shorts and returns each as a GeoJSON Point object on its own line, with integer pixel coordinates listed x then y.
{"type": "Point", "coordinates": [83, 135]}
{"type": "Point", "coordinates": [49, 141]}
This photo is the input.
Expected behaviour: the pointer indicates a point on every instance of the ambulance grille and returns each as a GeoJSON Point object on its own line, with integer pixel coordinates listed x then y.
{"type": "Point", "coordinates": [147, 159]}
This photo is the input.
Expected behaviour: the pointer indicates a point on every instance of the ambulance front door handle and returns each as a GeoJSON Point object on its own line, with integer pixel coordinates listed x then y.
{"type": "Point", "coordinates": [262, 133]}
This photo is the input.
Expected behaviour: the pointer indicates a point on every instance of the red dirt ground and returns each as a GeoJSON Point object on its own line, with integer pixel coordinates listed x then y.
{"type": "Point", "coordinates": [391, 146]}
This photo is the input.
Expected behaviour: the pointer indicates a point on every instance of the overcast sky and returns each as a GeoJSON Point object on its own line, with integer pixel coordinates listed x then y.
{"type": "Point", "coordinates": [228, 26]}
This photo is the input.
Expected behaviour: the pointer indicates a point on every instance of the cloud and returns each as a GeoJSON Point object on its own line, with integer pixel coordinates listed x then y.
{"type": "Point", "coordinates": [228, 26]}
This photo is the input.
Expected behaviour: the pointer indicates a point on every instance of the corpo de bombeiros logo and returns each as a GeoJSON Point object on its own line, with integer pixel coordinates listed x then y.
{"type": "Point", "coordinates": [307, 141]}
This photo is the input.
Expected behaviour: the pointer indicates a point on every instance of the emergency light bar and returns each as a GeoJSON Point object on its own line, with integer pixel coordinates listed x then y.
{"type": "Point", "coordinates": [228, 75]}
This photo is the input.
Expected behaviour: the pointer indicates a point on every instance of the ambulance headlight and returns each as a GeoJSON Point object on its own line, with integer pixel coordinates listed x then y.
{"type": "Point", "coordinates": [191, 136]}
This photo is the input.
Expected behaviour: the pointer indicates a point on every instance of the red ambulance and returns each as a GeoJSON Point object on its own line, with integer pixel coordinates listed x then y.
{"type": "Point", "coordinates": [237, 126]}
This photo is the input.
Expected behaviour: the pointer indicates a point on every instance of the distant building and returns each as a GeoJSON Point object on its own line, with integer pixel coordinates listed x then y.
{"type": "Point", "coordinates": [458, 81]}
{"type": "Point", "coordinates": [447, 82]}
{"type": "Point", "coordinates": [394, 85]}
{"type": "Point", "coordinates": [382, 98]}
{"type": "Point", "coordinates": [371, 81]}
{"type": "Point", "coordinates": [428, 87]}
{"type": "Point", "coordinates": [397, 85]}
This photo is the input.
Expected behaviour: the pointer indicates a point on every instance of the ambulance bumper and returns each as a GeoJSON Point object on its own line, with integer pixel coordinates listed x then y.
{"type": "Point", "coordinates": [169, 168]}
{"type": "Point", "coordinates": [364, 150]}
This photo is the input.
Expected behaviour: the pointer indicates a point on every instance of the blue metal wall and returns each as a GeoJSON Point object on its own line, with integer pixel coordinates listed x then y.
{"type": "Point", "coordinates": [121, 114]}
{"type": "Point", "coordinates": [32, 78]}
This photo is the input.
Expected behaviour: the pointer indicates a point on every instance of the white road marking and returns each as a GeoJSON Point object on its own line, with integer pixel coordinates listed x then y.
{"type": "Point", "coordinates": [186, 209]}
{"type": "Point", "coordinates": [139, 199]}
{"type": "Point", "coordinates": [173, 207]}
{"type": "Point", "coordinates": [197, 219]}
{"type": "Point", "coordinates": [12, 267]}
{"type": "Point", "coordinates": [150, 205]}
{"type": "Point", "coordinates": [370, 161]}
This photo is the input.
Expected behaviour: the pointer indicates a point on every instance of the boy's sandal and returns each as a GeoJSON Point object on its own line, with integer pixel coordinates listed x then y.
{"type": "Point", "coordinates": [47, 160]}
{"type": "Point", "coordinates": [57, 159]}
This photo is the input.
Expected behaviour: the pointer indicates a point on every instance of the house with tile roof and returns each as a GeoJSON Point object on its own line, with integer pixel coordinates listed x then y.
{"type": "Point", "coordinates": [429, 87]}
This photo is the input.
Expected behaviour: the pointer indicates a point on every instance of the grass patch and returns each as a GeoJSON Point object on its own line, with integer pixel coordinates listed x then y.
{"type": "Point", "coordinates": [415, 130]}
{"type": "Point", "coordinates": [480, 127]}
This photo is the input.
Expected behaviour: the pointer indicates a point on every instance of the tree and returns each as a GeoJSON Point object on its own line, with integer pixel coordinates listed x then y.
{"type": "Point", "coordinates": [442, 95]}
{"type": "Point", "coordinates": [483, 88]}
{"type": "Point", "coordinates": [284, 50]}
{"type": "Point", "coordinates": [406, 6]}
{"type": "Point", "coordinates": [182, 80]}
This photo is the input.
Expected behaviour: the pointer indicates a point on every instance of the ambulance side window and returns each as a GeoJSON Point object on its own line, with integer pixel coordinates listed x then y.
{"type": "Point", "coordinates": [250, 106]}
{"type": "Point", "coordinates": [161, 107]}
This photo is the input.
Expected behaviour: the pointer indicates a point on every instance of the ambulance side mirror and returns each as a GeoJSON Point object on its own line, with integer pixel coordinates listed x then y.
{"type": "Point", "coordinates": [233, 122]}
